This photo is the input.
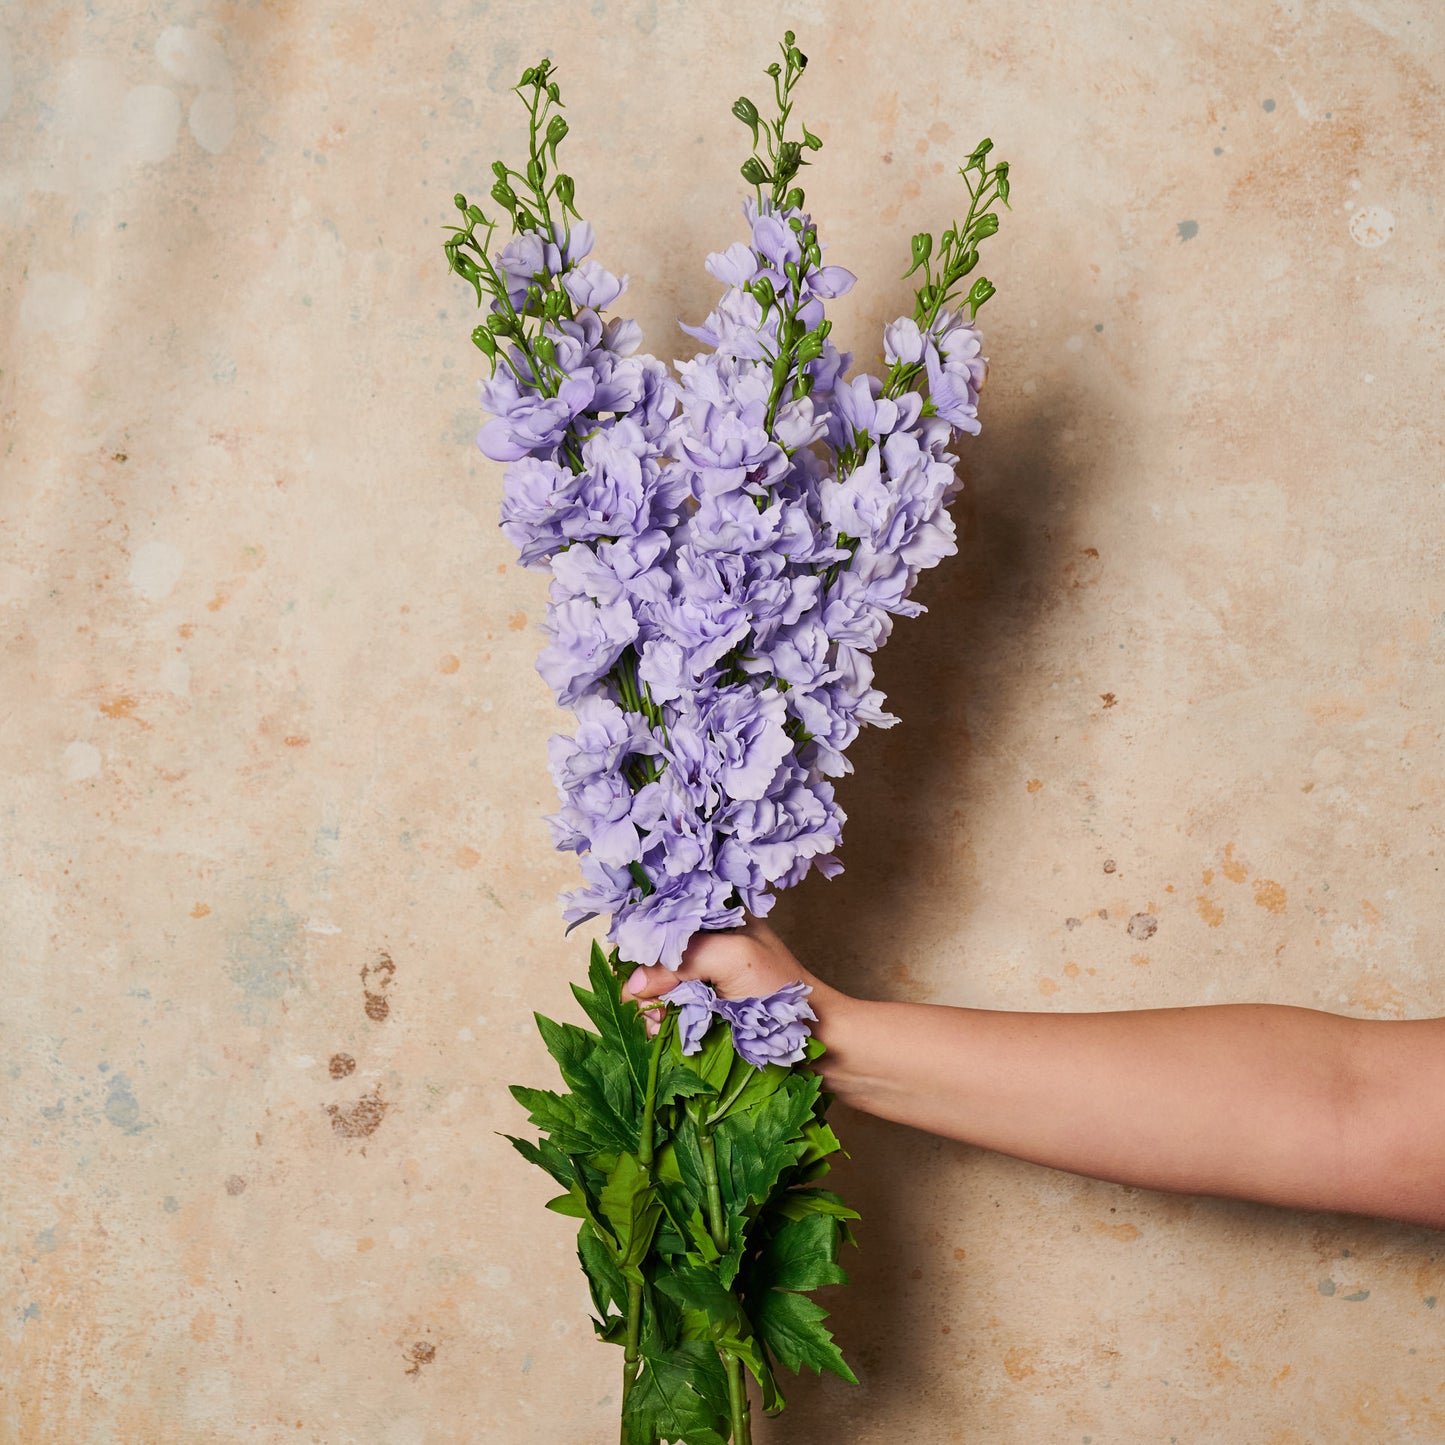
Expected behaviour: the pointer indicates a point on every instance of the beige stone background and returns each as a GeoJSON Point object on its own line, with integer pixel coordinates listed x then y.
{"type": "Point", "coordinates": [277, 899]}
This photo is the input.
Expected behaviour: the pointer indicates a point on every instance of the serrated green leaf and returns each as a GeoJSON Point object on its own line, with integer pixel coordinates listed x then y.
{"type": "Point", "coordinates": [604, 1279]}
{"type": "Point", "coordinates": [676, 1080]}
{"type": "Point", "coordinates": [797, 1203]}
{"type": "Point", "coordinates": [600, 1114]}
{"type": "Point", "coordinates": [754, 1149]}
{"type": "Point", "coordinates": [598, 1077]}
{"type": "Point", "coordinates": [791, 1326]}
{"type": "Point", "coordinates": [619, 1025]}
{"type": "Point", "coordinates": [802, 1254]}
{"type": "Point", "coordinates": [821, 1142]}
{"type": "Point", "coordinates": [629, 1205]}
{"type": "Point", "coordinates": [681, 1394]}
{"type": "Point", "coordinates": [545, 1155]}
{"type": "Point", "coordinates": [715, 1059]}
{"type": "Point", "coordinates": [699, 1289]}
{"type": "Point", "coordinates": [558, 1116]}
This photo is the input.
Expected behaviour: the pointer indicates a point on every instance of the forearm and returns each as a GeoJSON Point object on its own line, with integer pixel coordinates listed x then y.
{"type": "Point", "coordinates": [1246, 1100]}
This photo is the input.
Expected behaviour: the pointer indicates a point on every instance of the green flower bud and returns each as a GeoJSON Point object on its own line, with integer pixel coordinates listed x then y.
{"type": "Point", "coordinates": [797, 59]}
{"type": "Point", "coordinates": [475, 216]}
{"type": "Point", "coordinates": [754, 172]}
{"type": "Point", "coordinates": [566, 190]}
{"type": "Point", "coordinates": [983, 288]}
{"type": "Point", "coordinates": [922, 250]}
{"type": "Point", "coordinates": [790, 155]}
{"type": "Point", "coordinates": [504, 195]}
{"type": "Point", "coordinates": [790, 270]}
{"type": "Point", "coordinates": [1001, 174]}
{"type": "Point", "coordinates": [762, 288]}
{"type": "Point", "coordinates": [811, 141]}
{"type": "Point", "coordinates": [485, 342]}
{"type": "Point", "coordinates": [533, 302]}
{"type": "Point", "coordinates": [557, 129]}
{"type": "Point", "coordinates": [824, 327]}
{"type": "Point", "coordinates": [746, 111]}
{"type": "Point", "coordinates": [554, 93]}
{"type": "Point", "coordinates": [810, 348]}
{"type": "Point", "coordinates": [775, 70]}
{"type": "Point", "coordinates": [500, 324]}
{"type": "Point", "coordinates": [979, 152]}
{"type": "Point", "coordinates": [794, 199]}
{"type": "Point", "coordinates": [814, 254]}
{"type": "Point", "coordinates": [529, 76]}
{"type": "Point", "coordinates": [804, 384]}
{"type": "Point", "coordinates": [536, 173]}
{"type": "Point", "coordinates": [986, 225]}
{"type": "Point", "coordinates": [789, 38]}
{"type": "Point", "coordinates": [795, 223]}
{"type": "Point", "coordinates": [499, 170]}
{"type": "Point", "coordinates": [545, 351]}
{"type": "Point", "coordinates": [459, 201]}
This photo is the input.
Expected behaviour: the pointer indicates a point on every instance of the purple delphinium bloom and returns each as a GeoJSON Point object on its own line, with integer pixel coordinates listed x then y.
{"type": "Point", "coordinates": [696, 1004]}
{"type": "Point", "coordinates": [770, 1030]}
{"type": "Point", "coordinates": [725, 558]}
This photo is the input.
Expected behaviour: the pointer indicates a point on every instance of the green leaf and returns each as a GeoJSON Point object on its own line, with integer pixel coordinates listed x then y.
{"type": "Point", "coordinates": [803, 1254]}
{"type": "Point", "coordinates": [791, 1326]}
{"type": "Point", "coordinates": [545, 1155]}
{"type": "Point", "coordinates": [604, 1279]}
{"type": "Point", "coordinates": [620, 1025]}
{"type": "Point", "coordinates": [797, 1203]}
{"type": "Point", "coordinates": [676, 1080]}
{"type": "Point", "coordinates": [570, 1204]}
{"type": "Point", "coordinates": [604, 1103]}
{"type": "Point", "coordinates": [755, 1148]}
{"type": "Point", "coordinates": [713, 1062]}
{"type": "Point", "coordinates": [556, 1114]}
{"type": "Point", "coordinates": [699, 1289]}
{"type": "Point", "coordinates": [820, 1141]}
{"type": "Point", "coordinates": [630, 1207]}
{"type": "Point", "coordinates": [679, 1394]}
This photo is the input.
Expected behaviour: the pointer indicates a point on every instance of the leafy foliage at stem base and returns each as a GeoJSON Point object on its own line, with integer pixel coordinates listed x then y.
{"type": "Point", "coordinates": [701, 1227]}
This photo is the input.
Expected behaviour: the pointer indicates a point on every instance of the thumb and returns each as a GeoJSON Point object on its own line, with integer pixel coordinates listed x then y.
{"type": "Point", "coordinates": [653, 982]}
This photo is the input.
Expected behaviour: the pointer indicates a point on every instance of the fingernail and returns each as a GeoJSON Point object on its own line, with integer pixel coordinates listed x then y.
{"type": "Point", "coordinates": [639, 977]}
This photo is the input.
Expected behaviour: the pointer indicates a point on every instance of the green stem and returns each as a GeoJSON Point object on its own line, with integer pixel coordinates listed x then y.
{"type": "Point", "coordinates": [742, 1425]}
{"type": "Point", "coordinates": [632, 1350]}
{"type": "Point", "coordinates": [742, 1429]}
{"type": "Point", "coordinates": [724, 1107]}
{"type": "Point", "coordinates": [717, 1225]}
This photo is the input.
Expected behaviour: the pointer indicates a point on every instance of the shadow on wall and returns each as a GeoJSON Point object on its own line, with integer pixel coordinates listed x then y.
{"type": "Point", "coordinates": [950, 676]}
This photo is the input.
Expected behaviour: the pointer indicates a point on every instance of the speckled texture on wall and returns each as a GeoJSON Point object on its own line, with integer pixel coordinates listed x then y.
{"type": "Point", "coordinates": [276, 898]}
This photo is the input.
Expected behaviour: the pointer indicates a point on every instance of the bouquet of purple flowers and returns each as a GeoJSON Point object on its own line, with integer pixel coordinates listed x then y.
{"type": "Point", "coordinates": [727, 548]}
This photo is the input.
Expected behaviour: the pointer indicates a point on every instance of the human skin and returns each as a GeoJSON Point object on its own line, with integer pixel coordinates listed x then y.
{"type": "Point", "coordinates": [1267, 1102]}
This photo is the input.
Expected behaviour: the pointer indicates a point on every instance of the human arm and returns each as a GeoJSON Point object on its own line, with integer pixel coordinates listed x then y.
{"type": "Point", "coordinates": [1274, 1103]}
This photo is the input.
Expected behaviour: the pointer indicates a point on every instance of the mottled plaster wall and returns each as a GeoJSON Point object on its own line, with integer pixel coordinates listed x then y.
{"type": "Point", "coordinates": [276, 897]}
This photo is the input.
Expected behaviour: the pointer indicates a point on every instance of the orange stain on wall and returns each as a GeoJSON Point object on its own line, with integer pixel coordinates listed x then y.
{"type": "Point", "coordinates": [1018, 1363]}
{"type": "Point", "coordinates": [1210, 911]}
{"type": "Point", "coordinates": [1269, 894]}
{"type": "Point", "coordinates": [1233, 869]}
{"type": "Point", "coordinates": [1127, 1233]}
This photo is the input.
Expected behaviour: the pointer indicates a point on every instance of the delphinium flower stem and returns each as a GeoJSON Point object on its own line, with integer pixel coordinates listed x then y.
{"type": "Point", "coordinates": [644, 1158]}
{"type": "Point", "coordinates": [742, 1430]}
{"type": "Point", "coordinates": [957, 257]}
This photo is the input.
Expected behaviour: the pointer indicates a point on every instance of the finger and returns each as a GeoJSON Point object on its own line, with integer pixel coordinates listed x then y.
{"type": "Point", "coordinates": [652, 982]}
